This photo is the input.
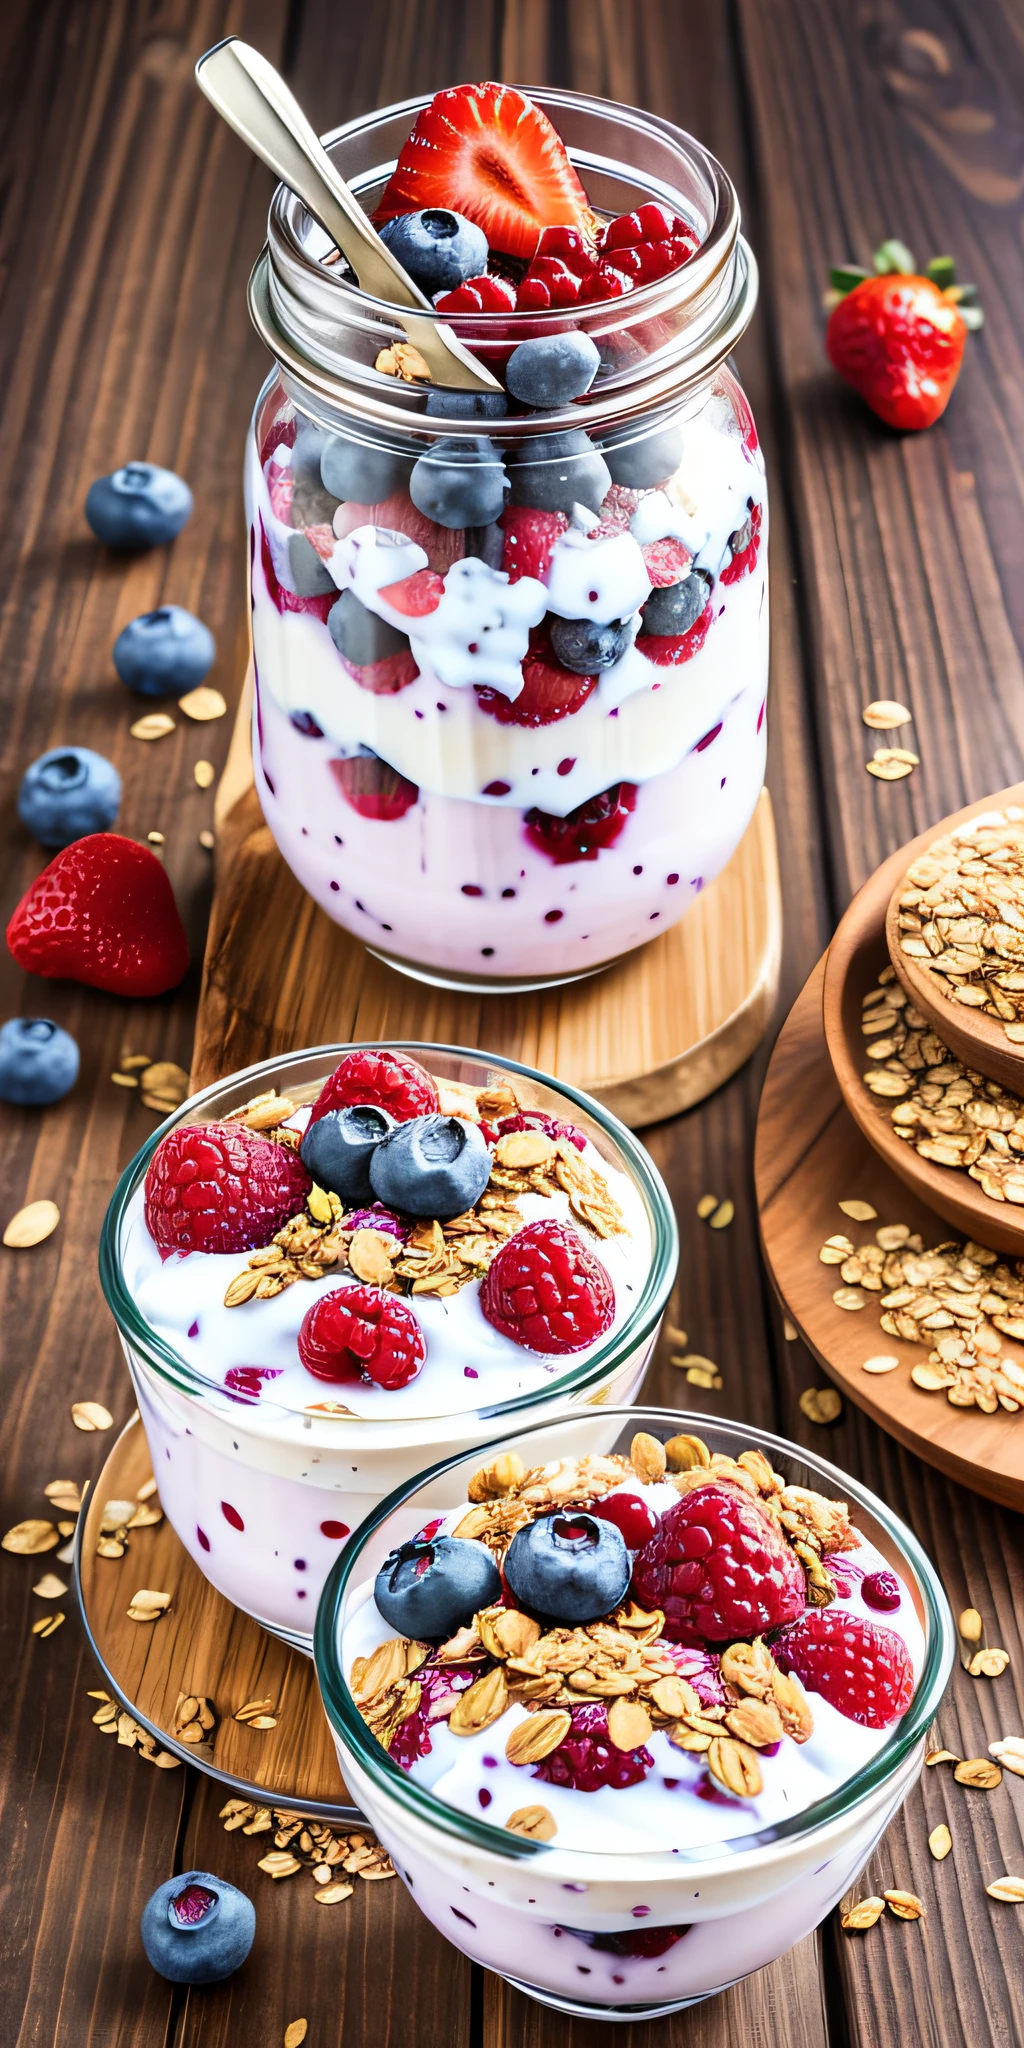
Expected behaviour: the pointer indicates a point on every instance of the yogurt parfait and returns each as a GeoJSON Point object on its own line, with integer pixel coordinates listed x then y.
{"type": "Point", "coordinates": [630, 1721]}
{"type": "Point", "coordinates": [511, 646]}
{"type": "Point", "coordinates": [333, 1268]}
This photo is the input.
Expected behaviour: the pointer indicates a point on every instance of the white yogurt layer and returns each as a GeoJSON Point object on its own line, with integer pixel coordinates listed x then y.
{"type": "Point", "coordinates": [469, 1364]}
{"type": "Point", "coordinates": [675, 1806]}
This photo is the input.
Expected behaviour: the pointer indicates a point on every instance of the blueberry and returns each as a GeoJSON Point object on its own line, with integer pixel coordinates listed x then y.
{"type": "Point", "coordinates": [139, 506]}
{"type": "Point", "coordinates": [637, 464]}
{"type": "Point", "coordinates": [438, 249]}
{"type": "Point", "coordinates": [354, 469]}
{"type": "Point", "coordinates": [584, 647]}
{"type": "Point", "coordinates": [431, 1166]}
{"type": "Point", "coordinates": [67, 793]}
{"type": "Point", "coordinates": [676, 609]}
{"type": "Point", "coordinates": [310, 576]}
{"type": "Point", "coordinates": [568, 1567]}
{"type": "Point", "coordinates": [359, 634]}
{"type": "Point", "coordinates": [164, 651]}
{"type": "Point", "coordinates": [197, 1928]}
{"type": "Point", "coordinates": [38, 1062]}
{"type": "Point", "coordinates": [338, 1148]}
{"type": "Point", "coordinates": [429, 1589]}
{"type": "Point", "coordinates": [555, 473]}
{"type": "Point", "coordinates": [312, 505]}
{"type": "Point", "coordinates": [466, 405]}
{"type": "Point", "coordinates": [461, 482]}
{"type": "Point", "coordinates": [552, 370]}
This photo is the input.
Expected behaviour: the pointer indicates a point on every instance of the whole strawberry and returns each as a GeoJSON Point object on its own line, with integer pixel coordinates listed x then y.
{"type": "Point", "coordinates": [719, 1568]}
{"type": "Point", "coordinates": [102, 913]}
{"type": "Point", "coordinates": [898, 337]}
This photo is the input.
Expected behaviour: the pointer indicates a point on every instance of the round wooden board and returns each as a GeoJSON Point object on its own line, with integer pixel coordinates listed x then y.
{"type": "Point", "coordinates": [202, 1645]}
{"type": "Point", "coordinates": [853, 963]}
{"type": "Point", "coordinates": [809, 1155]}
{"type": "Point", "coordinates": [649, 1037]}
{"type": "Point", "coordinates": [978, 1040]}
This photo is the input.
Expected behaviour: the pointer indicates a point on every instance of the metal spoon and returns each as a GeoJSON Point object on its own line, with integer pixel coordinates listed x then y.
{"type": "Point", "coordinates": [254, 100]}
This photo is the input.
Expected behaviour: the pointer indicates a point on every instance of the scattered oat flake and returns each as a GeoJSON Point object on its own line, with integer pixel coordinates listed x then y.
{"type": "Point", "coordinates": [154, 726]}
{"type": "Point", "coordinates": [979, 1774]}
{"type": "Point", "coordinates": [49, 1587]}
{"type": "Point", "coordinates": [676, 1336]}
{"type": "Point", "coordinates": [705, 1206]}
{"type": "Point", "coordinates": [31, 1225]}
{"type": "Point", "coordinates": [821, 1404]}
{"type": "Point", "coordinates": [48, 1624]}
{"type": "Point", "coordinates": [888, 764]}
{"type": "Point", "coordinates": [1010, 1752]}
{"type": "Point", "coordinates": [125, 1080]}
{"type": "Point", "coordinates": [861, 1915]}
{"type": "Point", "coordinates": [882, 1362]}
{"type": "Point", "coordinates": [970, 1625]}
{"type": "Point", "coordinates": [789, 1330]}
{"type": "Point", "coordinates": [89, 1415]}
{"type": "Point", "coordinates": [884, 715]}
{"type": "Point", "coordinates": [204, 772]}
{"type": "Point", "coordinates": [1010, 1890]}
{"type": "Point", "coordinates": [203, 704]}
{"type": "Point", "coordinates": [330, 1894]}
{"type": "Point", "coordinates": [722, 1217]}
{"type": "Point", "coordinates": [836, 1250]}
{"type": "Point", "coordinates": [206, 841]}
{"type": "Point", "coordinates": [295, 2033]}
{"type": "Point", "coordinates": [849, 1298]}
{"type": "Point", "coordinates": [940, 1842]}
{"type": "Point", "coordinates": [941, 1756]}
{"type": "Point", "coordinates": [989, 1663]}
{"type": "Point", "coordinates": [30, 1539]}
{"type": "Point", "coordinates": [859, 1212]}
{"type": "Point", "coordinates": [905, 1905]}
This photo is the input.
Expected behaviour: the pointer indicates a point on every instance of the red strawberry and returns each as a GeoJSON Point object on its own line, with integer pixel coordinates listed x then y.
{"type": "Point", "coordinates": [862, 1669]}
{"type": "Point", "coordinates": [373, 788]}
{"type": "Point", "coordinates": [719, 1568]}
{"type": "Point", "coordinates": [583, 832]}
{"type": "Point", "coordinates": [666, 561]}
{"type": "Point", "coordinates": [416, 595]}
{"type": "Point", "coordinates": [671, 650]}
{"type": "Point", "coordinates": [530, 538]}
{"type": "Point", "coordinates": [487, 152]}
{"type": "Point", "coordinates": [361, 1333]}
{"type": "Point", "coordinates": [744, 545]}
{"type": "Point", "coordinates": [384, 678]}
{"type": "Point", "coordinates": [484, 294]}
{"type": "Point", "coordinates": [899, 338]}
{"type": "Point", "coordinates": [385, 1080]}
{"type": "Point", "coordinates": [547, 1291]}
{"type": "Point", "coordinates": [220, 1188]}
{"type": "Point", "coordinates": [548, 693]}
{"type": "Point", "coordinates": [103, 913]}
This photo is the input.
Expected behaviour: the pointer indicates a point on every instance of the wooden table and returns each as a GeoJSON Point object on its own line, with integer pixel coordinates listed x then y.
{"type": "Point", "coordinates": [129, 225]}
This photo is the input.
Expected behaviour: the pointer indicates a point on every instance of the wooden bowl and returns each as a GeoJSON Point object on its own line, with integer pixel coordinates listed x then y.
{"type": "Point", "coordinates": [853, 963]}
{"type": "Point", "coordinates": [977, 1039]}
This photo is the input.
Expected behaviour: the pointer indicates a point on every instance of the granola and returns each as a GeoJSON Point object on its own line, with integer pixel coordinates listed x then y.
{"type": "Point", "coordinates": [961, 916]}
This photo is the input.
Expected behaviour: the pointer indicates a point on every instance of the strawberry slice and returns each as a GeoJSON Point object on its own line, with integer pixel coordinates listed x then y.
{"type": "Point", "coordinates": [417, 596]}
{"type": "Point", "coordinates": [487, 152]}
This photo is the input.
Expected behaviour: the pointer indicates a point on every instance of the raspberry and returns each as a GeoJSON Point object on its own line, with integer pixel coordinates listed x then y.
{"type": "Point", "coordinates": [549, 693]}
{"type": "Point", "coordinates": [245, 1382]}
{"type": "Point", "coordinates": [862, 1669]}
{"type": "Point", "coordinates": [631, 1516]}
{"type": "Point", "coordinates": [634, 1941]}
{"type": "Point", "coordinates": [587, 1758]}
{"type": "Point", "coordinates": [666, 561]}
{"type": "Point", "coordinates": [385, 1080]}
{"type": "Point", "coordinates": [483, 294]}
{"type": "Point", "coordinates": [373, 788]}
{"type": "Point", "coordinates": [529, 541]}
{"type": "Point", "coordinates": [881, 1590]}
{"type": "Point", "coordinates": [547, 1291]}
{"type": "Point", "coordinates": [583, 832]}
{"type": "Point", "coordinates": [220, 1188]}
{"type": "Point", "coordinates": [440, 1685]}
{"type": "Point", "coordinates": [671, 650]}
{"type": "Point", "coordinates": [379, 1218]}
{"type": "Point", "coordinates": [360, 1333]}
{"type": "Point", "coordinates": [719, 1568]}
{"type": "Point", "coordinates": [552, 1127]}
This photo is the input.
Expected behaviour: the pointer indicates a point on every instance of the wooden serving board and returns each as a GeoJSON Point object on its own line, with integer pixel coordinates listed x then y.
{"type": "Point", "coordinates": [649, 1037]}
{"type": "Point", "coordinates": [809, 1155]}
{"type": "Point", "coordinates": [202, 1645]}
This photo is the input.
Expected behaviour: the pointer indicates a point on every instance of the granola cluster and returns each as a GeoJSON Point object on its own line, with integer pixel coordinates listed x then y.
{"type": "Point", "coordinates": [437, 1258]}
{"type": "Point", "coordinates": [733, 1703]}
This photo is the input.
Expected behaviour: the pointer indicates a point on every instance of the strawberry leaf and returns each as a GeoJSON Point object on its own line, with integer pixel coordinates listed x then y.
{"type": "Point", "coordinates": [846, 277]}
{"type": "Point", "coordinates": [942, 271]}
{"type": "Point", "coordinates": [894, 256]}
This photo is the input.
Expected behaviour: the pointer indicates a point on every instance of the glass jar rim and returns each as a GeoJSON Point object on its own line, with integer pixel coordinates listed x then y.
{"type": "Point", "coordinates": [300, 307]}
{"type": "Point", "coordinates": [641, 1322]}
{"type": "Point", "coordinates": [428, 1810]}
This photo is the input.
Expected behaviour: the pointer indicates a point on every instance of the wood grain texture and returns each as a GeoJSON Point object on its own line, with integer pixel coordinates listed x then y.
{"type": "Point", "coordinates": [859, 951]}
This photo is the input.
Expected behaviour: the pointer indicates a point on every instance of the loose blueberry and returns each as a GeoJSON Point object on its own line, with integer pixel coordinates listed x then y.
{"type": "Point", "coordinates": [552, 370]}
{"type": "Point", "coordinates": [359, 634]}
{"type": "Point", "coordinates": [430, 1589]}
{"type": "Point", "coordinates": [197, 1928]}
{"type": "Point", "coordinates": [438, 249]}
{"type": "Point", "coordinates": [584, 646]}
{"type": "Point", "coordinates": [672, 611]}
{"type": "Point", "coordinates": [461, 482]}
{"type": "Point", "coordinates": [338, 1147]}
{"type": "Point", "coordinates": [568, 1567]}
{"type": "Point", "coordinates": [466, 405]}
{"type": "Point", "coordinates": [354, 469]}
{"type": "Point", "coordinates": [38, 1062]}
{"type": "Point", "coordinates": [139, 506]}
{"type": "Point", "coordinates": [310, 576]}
{"type": "Point", "coordinates": [164, 651]}
{"type": "Point", "coordinates": [67, 793]}
{"type": "Point", "coordinates": [638, 464]}
{"type": "Point", "coordinates": [431, 1166]}
{"type": "Point", "coordinates": [560, 471]}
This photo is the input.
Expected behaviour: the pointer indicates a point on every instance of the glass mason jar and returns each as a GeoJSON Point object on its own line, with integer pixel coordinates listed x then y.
{"type": "Point", "coordinates": [485, 797]}
{"type": "Point", "coordinates": [260, 1477]}
{"type": "Point", "coordinates": [613, 1932]}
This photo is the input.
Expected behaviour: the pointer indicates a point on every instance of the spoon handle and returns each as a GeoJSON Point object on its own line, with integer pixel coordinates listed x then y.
{"type": "Point", "coordinates": [255, 101]}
